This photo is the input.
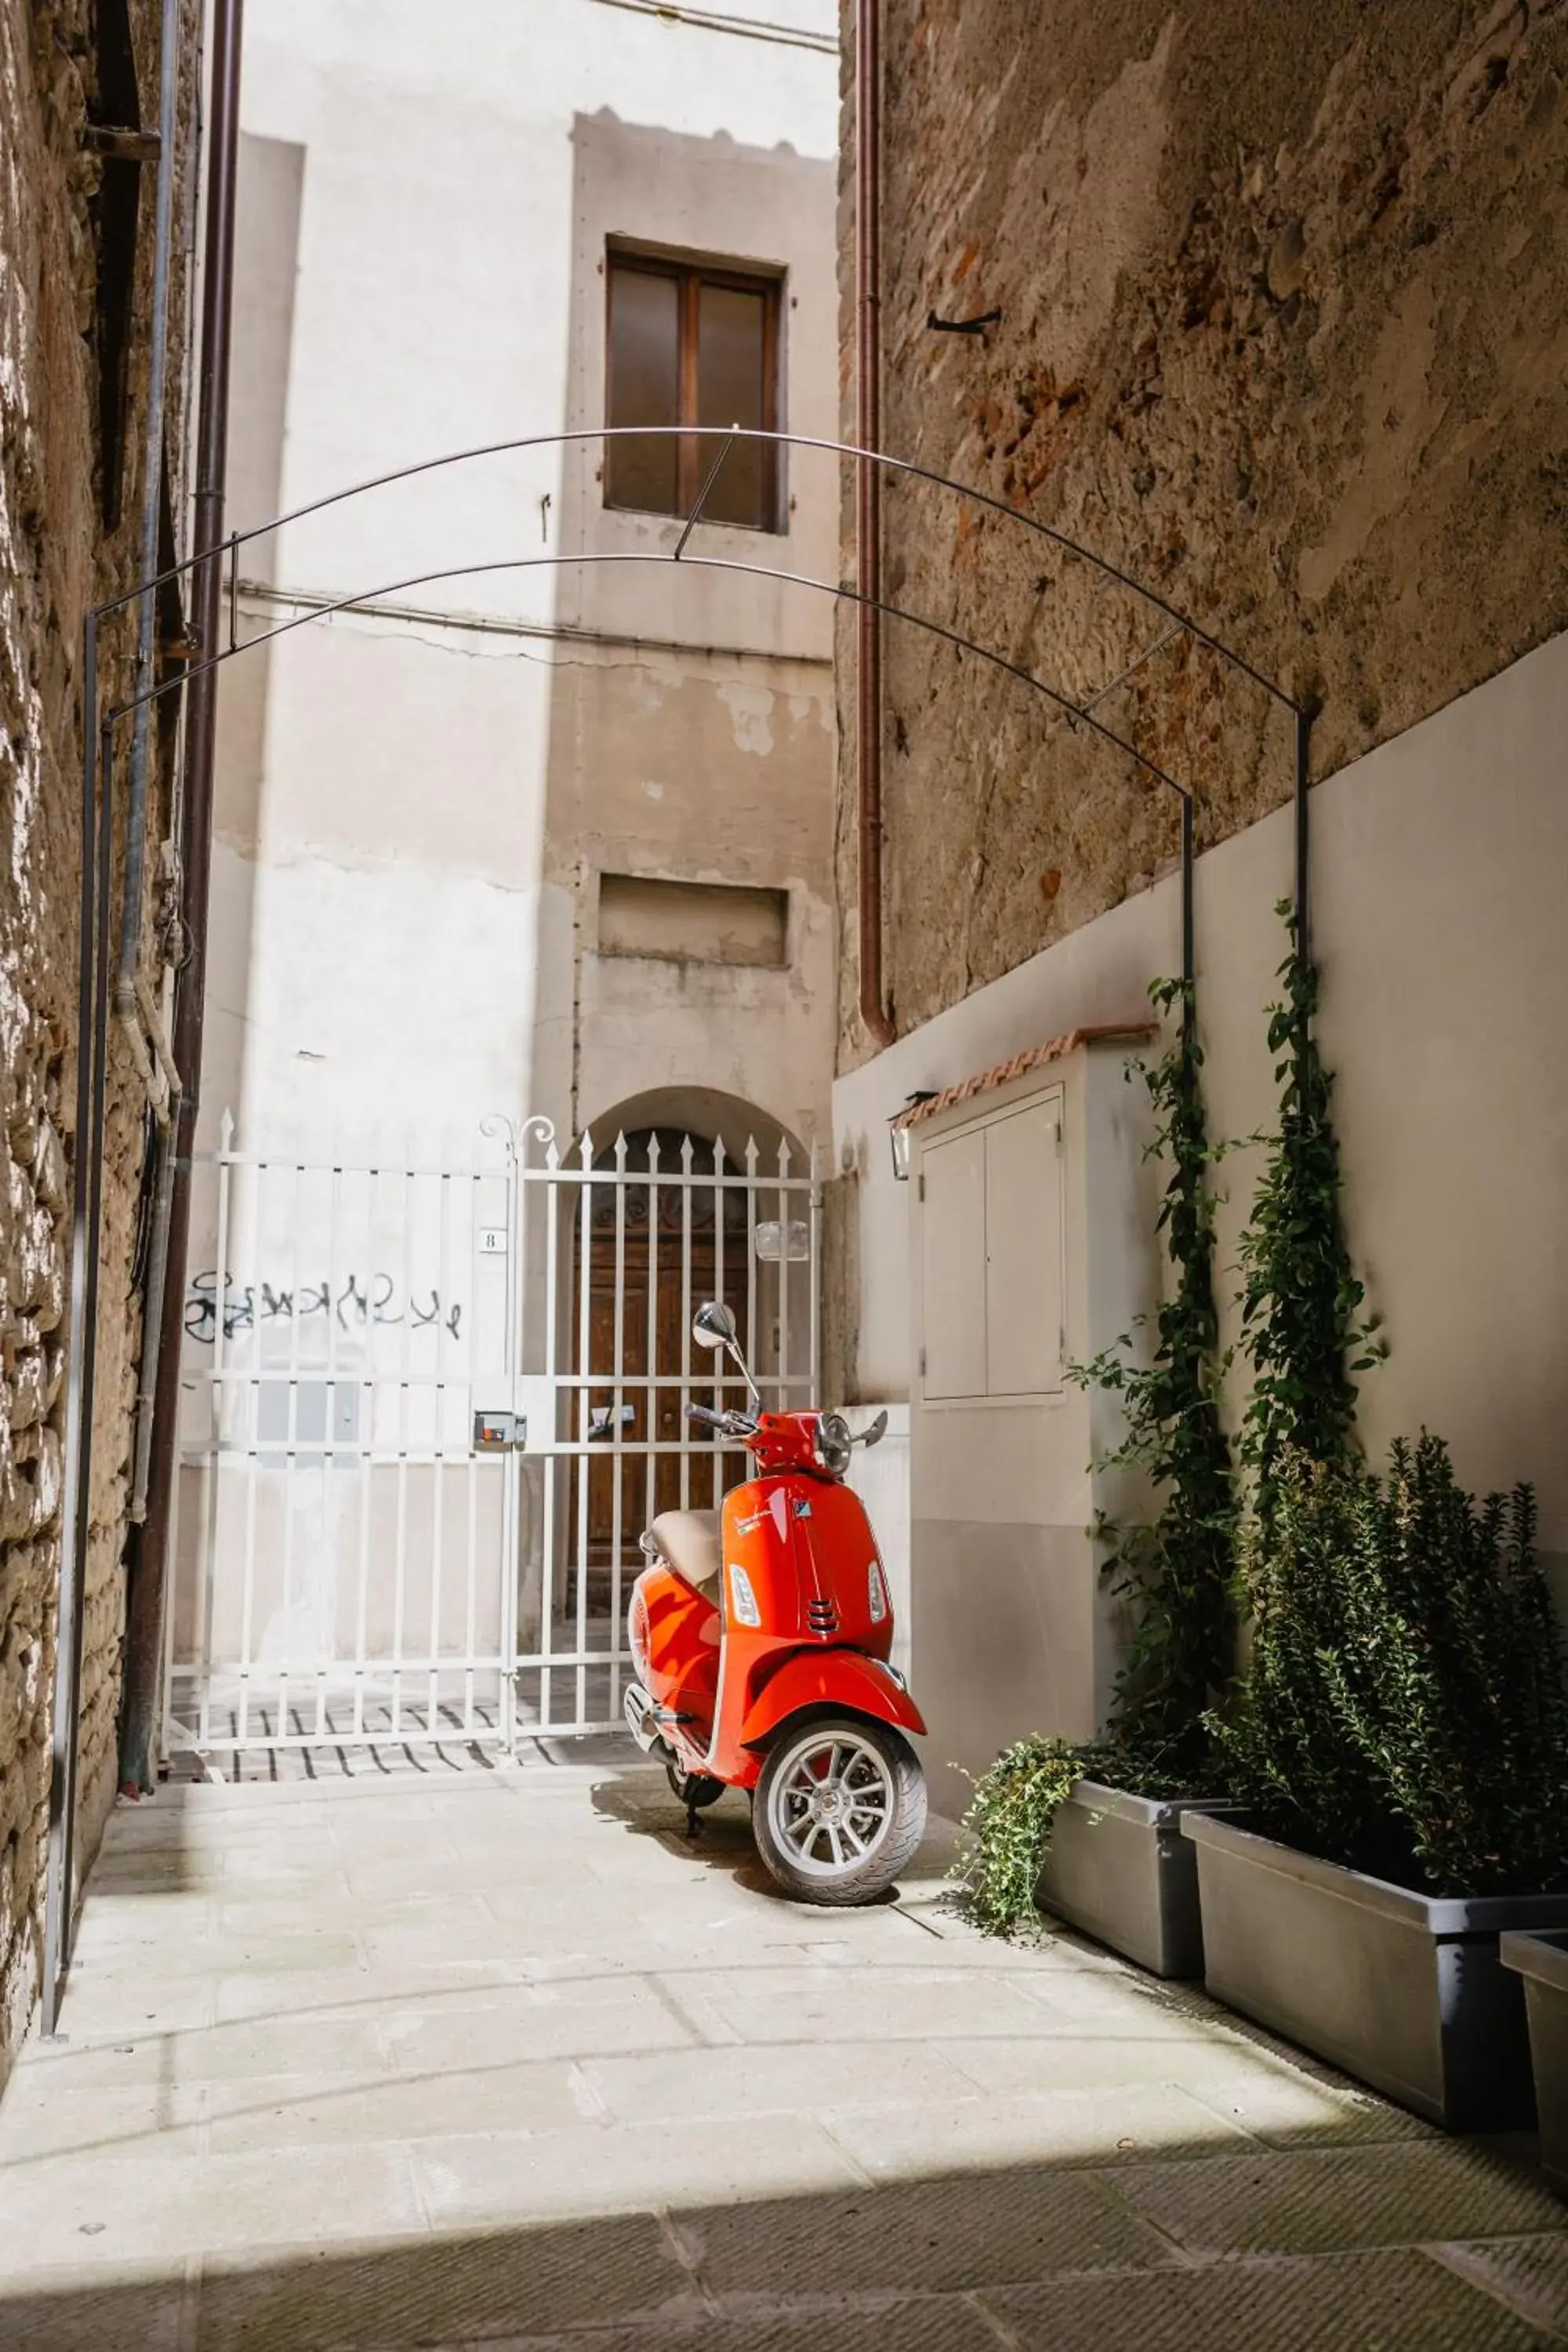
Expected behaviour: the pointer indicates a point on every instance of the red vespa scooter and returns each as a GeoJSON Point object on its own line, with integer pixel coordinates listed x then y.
{"type": "Point", "coordinates": [761, 1637]}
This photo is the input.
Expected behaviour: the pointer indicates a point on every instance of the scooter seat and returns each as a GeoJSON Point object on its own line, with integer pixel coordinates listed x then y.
{"type": "Point", "coordinates": [690, 1541]}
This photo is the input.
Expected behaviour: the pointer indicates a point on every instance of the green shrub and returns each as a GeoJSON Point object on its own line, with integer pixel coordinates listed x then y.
{"type": "Point", "coordinates": [1014, 1805]}
{"type": "Point", "coordinates": [1403, 1708]}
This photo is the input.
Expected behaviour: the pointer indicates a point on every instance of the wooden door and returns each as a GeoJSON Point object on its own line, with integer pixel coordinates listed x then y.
{"type": "Point", "coordinates": [656, 1277]}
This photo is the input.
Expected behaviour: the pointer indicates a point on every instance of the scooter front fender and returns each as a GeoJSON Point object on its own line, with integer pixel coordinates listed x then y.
{"type": "Point", "coordinates": [836, 1678]}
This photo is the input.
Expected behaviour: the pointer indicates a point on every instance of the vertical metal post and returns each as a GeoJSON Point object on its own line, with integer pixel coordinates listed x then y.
{"type": "Point", "coordinates": [144, 1601]}
{"type": "Point", "coordinates": [512, 1467]}
{"type": "Point", "coordinates": [1189, 949]}
{"type": "Point", "coordinates": [868, 510]}
{"type": "Point", "coordinates": [151, 488]}
{"type": "Point", "coordinates": [1304, 874]}
{"type": "Point", "coordinates": [78, 1394]}
{"type": "Point", "coordinates": [814, 1275]}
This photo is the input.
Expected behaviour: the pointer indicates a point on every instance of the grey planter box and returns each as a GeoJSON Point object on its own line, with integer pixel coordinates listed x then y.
{"type": "Point", "coordinates": [1543, 1962]}
{"type": "Point", "coordinates": [1406, 1991]}
{"type": "Point", "coordinates": [1120, 1868]}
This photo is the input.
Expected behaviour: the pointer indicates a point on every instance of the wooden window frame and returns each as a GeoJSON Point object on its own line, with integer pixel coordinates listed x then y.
{"type": "Point", "coordinates": [695, 453]}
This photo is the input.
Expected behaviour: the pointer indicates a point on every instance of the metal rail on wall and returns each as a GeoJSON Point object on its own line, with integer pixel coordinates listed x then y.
{"type": "Point", "coordinates": [95, 990]}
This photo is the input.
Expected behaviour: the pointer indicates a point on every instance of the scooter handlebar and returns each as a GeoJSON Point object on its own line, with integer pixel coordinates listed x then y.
{"type": "Point", "coordinates": [725, 1424]}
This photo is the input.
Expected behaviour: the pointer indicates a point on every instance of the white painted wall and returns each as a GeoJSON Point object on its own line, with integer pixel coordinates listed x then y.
{"type": "Point", "coordinates": [412, 812]}
{"type": "Point", "coordinates": [1436, 874]}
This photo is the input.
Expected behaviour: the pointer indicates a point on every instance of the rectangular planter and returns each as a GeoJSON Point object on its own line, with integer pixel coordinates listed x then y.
{"type": "Point", "coordinates": [1120, 1868]}
{"type": "Point", "coordinates": [1543, 1962]}
{"type": "Point", "coordinates": [1406, 1991]}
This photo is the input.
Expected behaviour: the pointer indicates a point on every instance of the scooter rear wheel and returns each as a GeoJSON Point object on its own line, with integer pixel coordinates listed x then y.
{"type": "Point", "coordinates": [840, 1808]}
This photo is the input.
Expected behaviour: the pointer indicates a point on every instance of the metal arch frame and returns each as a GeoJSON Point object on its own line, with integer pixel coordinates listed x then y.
{"type": "Point", "coordinates": [94, 980]}
{"type": "Point", "coordinates": [1178, 624]}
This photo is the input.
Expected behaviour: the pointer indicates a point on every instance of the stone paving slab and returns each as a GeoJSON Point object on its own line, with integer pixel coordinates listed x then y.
{"type": "Point", "coordinates": [948, 2236]}
{"type": "Point", "coordinates": [1060, 2127]}
{"type": "Point", "coordinates": [409, 2061]}
{"type": "Point", "coordinates": [1379, 2303]}
{"type": "Point", "coordinates": [1290, 2203]}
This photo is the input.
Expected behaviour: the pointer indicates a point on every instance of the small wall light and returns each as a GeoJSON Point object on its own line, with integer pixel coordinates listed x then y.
{"type": "Point", "coordinates": [898, 1132]}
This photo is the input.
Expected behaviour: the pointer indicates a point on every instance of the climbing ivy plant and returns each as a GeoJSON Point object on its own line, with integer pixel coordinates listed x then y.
{"type": "Point", "coordinates": [1301, 1304]}
{"type": "Point", "coordinates": [1177, 1571]}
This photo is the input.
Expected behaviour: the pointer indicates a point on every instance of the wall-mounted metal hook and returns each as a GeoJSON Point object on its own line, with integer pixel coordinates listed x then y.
{"type": "Point", "coordinates": [963, 326]}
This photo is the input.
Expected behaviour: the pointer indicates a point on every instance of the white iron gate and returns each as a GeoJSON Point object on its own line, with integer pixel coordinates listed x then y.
{"type": "Point", "coordinates": [428, 1409]}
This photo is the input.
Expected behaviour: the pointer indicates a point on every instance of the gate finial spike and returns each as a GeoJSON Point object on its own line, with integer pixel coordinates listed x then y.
{"type": "Point", "coordinates": [718, 1155]}
{"type": "Point", "coordinates": [225, 1131]}
{"type": "Point", "coordinates": [585, 1149]}
{"type": "Point", "coordinates": [784, 1158]}
{"type": "Point", "coordinates": [750, 1155]}
{"type": "Point", "coordinates": [686, 1154]}
{"type": "Point", "coordinates": [621, 1152]}
{"type": "Point", "coordinates": [653, 1151]}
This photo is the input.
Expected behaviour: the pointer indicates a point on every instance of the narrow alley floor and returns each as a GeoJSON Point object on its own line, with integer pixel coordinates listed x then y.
{"type": "Point", "coordinates": [495, 2057]}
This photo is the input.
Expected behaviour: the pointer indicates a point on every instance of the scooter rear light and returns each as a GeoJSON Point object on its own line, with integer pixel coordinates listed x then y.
{"type": "Point", "coordinates": [742, 1600]}
{"type": "Point", "coordinates": [637, 1630]}
{"type": "Point", "coordinates": [876, 1593]}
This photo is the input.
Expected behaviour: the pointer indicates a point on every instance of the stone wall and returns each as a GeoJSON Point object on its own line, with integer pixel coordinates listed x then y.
{"type": "Point", "coordinates": [1284, 298]}
{"type": "Point", "coordinates": [56, 560]}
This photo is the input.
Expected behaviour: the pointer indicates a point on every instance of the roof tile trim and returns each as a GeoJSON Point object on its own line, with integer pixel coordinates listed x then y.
{"type": "Point", "coordinates": [1035, 1057]}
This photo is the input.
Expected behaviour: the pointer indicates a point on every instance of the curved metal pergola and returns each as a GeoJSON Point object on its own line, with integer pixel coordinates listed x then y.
{"type": "Point", "coordinates": [98, 733]}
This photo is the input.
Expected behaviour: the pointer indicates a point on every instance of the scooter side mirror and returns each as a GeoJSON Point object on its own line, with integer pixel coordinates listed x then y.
{"type": "Point", "coordinates": [714, 1326]}
{"type": "Point", "coordinates": [875, 1432]}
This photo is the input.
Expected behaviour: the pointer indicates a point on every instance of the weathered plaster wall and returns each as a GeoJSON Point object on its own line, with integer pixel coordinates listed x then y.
{"type": "Point", "coordinates": [55, 560]}
{"type": "Point", "coordinates": [415, 806]}
{"type": "Point", "coordinates": [1285, 321]}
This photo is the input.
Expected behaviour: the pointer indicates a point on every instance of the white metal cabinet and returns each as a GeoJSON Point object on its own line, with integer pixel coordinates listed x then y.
{"type": "Point", "coordinates": [991, 1258]}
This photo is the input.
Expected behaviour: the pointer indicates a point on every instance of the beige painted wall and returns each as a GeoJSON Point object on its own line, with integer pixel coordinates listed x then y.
{"type": "Point", "coordinates": [1437, 866]}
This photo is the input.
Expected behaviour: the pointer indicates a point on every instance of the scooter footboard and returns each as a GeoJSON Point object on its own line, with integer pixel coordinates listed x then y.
{"type": "Point", "coordinates": [842, 1679]}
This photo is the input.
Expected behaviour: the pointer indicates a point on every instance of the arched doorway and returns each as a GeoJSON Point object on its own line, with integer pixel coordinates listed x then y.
{"type": "Point", "coordinates": [687, 1198]}
{"type": "Point", "coordinates": [637, 1335]}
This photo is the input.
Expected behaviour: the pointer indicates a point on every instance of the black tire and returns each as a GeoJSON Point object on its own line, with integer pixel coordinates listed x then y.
{"type": "Point", "coordinates": [880, 1806]}
{"type": "Point", "coordinates": [692, 1788]}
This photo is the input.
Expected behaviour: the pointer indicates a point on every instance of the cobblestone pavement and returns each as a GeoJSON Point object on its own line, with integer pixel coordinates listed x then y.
{"type": "Point", "coordinates": [461, 2057]}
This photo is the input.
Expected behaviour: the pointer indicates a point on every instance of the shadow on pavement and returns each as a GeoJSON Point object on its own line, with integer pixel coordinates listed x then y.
{"type": "Point", "coordinates": [1446, 2249]}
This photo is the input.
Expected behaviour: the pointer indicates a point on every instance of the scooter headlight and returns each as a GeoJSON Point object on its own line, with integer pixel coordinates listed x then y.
{"type": "Point", "coordinates": [876, 1593]}
{"type": "Point", "coordinates": [835, 1445]}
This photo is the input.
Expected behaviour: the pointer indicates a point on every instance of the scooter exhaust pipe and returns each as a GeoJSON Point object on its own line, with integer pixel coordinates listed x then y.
{"type": "Point", "coordinates": [642, 1718]}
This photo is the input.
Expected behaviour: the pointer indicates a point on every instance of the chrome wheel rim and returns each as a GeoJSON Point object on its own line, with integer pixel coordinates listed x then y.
{"type": "Point", "coordinates": [830, 1804]}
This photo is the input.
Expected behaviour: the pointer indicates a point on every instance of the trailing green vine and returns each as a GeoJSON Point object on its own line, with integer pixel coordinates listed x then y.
{"type": "Point", "coordinates": [1300, 1301]}
{"type": "Point", "coordinates": [1177, 1571]}
{"type": "Point", "coordinates": [1014, 1810]}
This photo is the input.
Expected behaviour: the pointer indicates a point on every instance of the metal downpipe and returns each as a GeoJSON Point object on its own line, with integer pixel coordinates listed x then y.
{"type": "Point", "coordinates": [1303, 836]}
{"type": "Point", "coordinates": [868, 511]}
{"type": "Point", "coordinates": [144, 1608]}
{"type": "Point", "coordinates": [140, 1019]}
{"type": "Point", "coordinates": [86, 1203]}
{"type": "Point", "coordinates": [125, 1005]}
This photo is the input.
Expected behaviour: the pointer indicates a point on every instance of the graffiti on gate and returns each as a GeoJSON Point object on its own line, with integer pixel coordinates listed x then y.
{"type": "Point", "coordinates": [357, 1306]}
